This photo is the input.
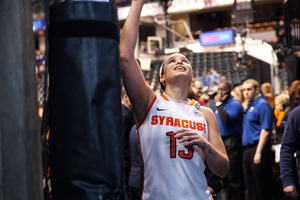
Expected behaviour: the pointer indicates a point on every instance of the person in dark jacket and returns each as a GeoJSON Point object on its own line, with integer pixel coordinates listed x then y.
{"type": "Point", "coordinates": [289, 145]}
{"type": "Point", "coordinates": [127, 122]}
{"type": "Point", "coordinates": [135, 182]}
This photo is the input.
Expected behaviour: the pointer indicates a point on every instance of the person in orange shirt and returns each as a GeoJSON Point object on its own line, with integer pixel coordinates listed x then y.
{"type": "Point", "coordinates": [267, 91]}
{"type": "Point", "coordinates": [282, 105]}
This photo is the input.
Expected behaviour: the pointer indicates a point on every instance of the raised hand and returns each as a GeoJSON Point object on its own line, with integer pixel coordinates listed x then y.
{"type": "Point", "coordinates": [219, 97]}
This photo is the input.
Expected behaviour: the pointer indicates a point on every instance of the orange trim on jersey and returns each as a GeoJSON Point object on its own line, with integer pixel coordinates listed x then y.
{"type": "Point", "coordinates": [164, 97]}
{"type": "Point", "coordinates": [138, 133]}
{"type": "Point", "coordinates": [138, 126]}
{"type": "Point", "coordinates": [192, 102]}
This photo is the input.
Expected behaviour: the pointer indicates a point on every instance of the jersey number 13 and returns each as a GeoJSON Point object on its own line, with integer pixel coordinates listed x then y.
{"type": "Point", "coordinates": [181, 153]}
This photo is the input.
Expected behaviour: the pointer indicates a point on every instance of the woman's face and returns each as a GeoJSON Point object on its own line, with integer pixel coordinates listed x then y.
{"type": "Point", "coordinates": [177, 65]}
{"type": "Point", "coordinates": [278, 106]}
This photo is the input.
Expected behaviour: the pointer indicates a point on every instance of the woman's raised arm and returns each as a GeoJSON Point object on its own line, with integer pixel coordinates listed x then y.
{"type": "Point", "coordinates": [140, 94]}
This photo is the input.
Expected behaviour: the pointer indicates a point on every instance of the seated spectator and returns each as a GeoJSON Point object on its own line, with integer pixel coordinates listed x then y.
{"type": "Point", "coordinates": [214, 76]}
{"type": "Point", "coordinates": [197, 87]}
{"type": "Point", "coordinates": [204, 79]}
{"type": "Point", "coordinates": [210, 77]}
{"type": "Point", "coordinates": [223, 79]}
{"type": "Point", "coordinates": [214, 86]}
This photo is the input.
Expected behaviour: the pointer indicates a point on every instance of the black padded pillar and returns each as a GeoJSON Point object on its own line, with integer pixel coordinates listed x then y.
{"type": "Point", "coordinates": [85, 101]}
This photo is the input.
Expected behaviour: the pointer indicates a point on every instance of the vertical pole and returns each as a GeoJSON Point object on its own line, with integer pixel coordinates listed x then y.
{"type": "Point", "coordinates": [20, 142]}
{"type": "Point", "coordinates": [168, 38]}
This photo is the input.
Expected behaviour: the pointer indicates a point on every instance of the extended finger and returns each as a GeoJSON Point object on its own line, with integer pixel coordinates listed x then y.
{"type": "Point", "coordinates": [187, 138]}
{"type": "Point", "coordinates": [224, 97]}
{"type": "Point", "coordinates": [185, 133]}
{"type": "Point", "coordinates": [180, 131]}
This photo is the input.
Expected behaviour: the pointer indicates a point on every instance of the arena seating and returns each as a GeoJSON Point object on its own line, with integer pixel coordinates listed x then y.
{"type": "Point", "coordinates": [223, 62]}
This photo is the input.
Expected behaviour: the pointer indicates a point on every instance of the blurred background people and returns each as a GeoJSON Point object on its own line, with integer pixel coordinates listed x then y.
{"type": "Point", "coordinates": [214, 76]}
{"type": "Point", "coordinates": [267, 92]}
{"type": "Point", "coordinates": [294, 92]}
{"type": "Point", "coordinates": [282, 104]}
{"type": "Point", "coordinates": [214, 86]}
{"type": "Point", "coordinates": [237, 94]}
{"type": "Point", "coordinates": [281, 111]}
{"type": "Point", "coordinates": [211, 102]}
{"type": "Point", "coordinates": [204, 79]}
{"type": "Point", "coordinates": [201, 97]}
{"type": "Point", "coordinates": [230, 114]}
{"type": "Point", "coordinates": [258, 157]}
{"type": "Point", "coordinates": [214, 182]}
{"type": "Point", "coordinates": [222, 79]}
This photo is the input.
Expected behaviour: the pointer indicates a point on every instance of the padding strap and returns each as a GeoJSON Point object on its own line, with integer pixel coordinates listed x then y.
{"type": "Point", "coordinates": [83, 28]}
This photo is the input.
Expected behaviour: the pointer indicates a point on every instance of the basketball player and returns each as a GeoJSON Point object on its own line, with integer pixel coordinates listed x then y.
{"type": "Point", "coordinates": [176, 135]}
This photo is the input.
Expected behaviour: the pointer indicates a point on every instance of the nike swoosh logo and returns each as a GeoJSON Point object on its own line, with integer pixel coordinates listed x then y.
{"type": "Point", "coordinates": [162, 109]}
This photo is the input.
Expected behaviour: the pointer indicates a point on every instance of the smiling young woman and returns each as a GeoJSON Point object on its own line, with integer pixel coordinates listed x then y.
{"type": "Point", "coordinates": [176, 135]}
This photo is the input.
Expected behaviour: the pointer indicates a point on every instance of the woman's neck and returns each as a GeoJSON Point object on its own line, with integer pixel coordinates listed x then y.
{"type": "Point", "coordinates": [177, 93]}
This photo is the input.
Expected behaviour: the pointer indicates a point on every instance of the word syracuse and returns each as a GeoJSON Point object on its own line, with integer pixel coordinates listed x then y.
{"type": "Point", "coordinates": [181, 123]}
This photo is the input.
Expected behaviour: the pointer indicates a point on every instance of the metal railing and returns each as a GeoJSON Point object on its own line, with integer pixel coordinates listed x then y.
{"type": "Point", "coordinates": [291, 10]}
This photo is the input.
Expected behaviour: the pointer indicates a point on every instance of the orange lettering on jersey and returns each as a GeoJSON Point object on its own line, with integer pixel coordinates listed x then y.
{"type": "Point", "coordinates": [200, 126]}
{"type": "Point", "coordinates": [161, 119]}
{"type": "Point", "coordinates": [169, 121]}
{"type": "Point", "coordinates": [154, 120]}
{"type": "Point", "coordinates": [185, 123]}
{"type": "Point", "coordinates": [177, 123]}
{"type": "Point", "coordinates": [192, 125]}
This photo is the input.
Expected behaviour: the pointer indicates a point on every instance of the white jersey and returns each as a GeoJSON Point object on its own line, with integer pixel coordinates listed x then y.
{"type": "Point", "coordinates": [172, 171]}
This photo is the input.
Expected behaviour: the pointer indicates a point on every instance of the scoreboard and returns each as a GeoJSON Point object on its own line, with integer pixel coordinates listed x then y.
{"type": "Point", "coordinates": [217, 37]}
